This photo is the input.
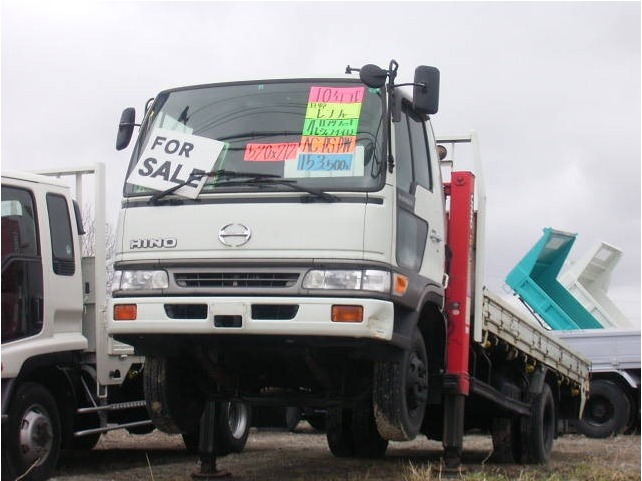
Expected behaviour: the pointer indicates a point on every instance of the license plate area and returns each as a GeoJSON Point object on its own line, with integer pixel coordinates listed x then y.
{"type": "Point", "coordinates": [228, 315]}
{"type": "Point", "coordinates": [227, 320]}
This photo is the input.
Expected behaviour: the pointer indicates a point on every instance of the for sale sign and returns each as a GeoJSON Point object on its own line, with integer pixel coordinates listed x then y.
{"type": "Point", "coordinates": [171, 157]}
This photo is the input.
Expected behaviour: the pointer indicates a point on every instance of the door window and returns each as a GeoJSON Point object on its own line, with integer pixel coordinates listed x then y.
{"type": "Point", "coordinates": [62, 245]}
{"type": "Point", "coordinates": [22, 293]}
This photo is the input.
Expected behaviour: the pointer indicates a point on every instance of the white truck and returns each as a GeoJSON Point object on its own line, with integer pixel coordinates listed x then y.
{"type": "Point", "coordinates": [613, 406]}
{"type": "Point", "coordinates": [292, 241]}
{"type": "Point", "coordinates": [575, 304]}
{"type": "Point", "coordinates": [64, 380]}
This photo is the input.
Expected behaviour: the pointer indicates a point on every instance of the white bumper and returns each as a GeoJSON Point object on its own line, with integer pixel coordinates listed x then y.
{"type": "Point", "coordinates": [313, 317]}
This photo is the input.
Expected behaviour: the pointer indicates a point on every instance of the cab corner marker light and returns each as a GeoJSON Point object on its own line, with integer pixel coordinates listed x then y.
{"type": "Point", "coordinates": [400, 284]}
{"type": "Point", "coordinates": [125, 312]}
{"type": "Point", "coordinates": [347, 313]}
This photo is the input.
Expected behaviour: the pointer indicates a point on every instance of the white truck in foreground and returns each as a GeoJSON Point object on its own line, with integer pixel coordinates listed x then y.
{"type": "Point", "coordinates": [292, 241]}
{"type": "Point", "coordinates": [64, 381]}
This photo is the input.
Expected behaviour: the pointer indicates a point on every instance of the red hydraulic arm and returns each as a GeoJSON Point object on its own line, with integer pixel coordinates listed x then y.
{"type": "Point", "coordinates": [461, 233]}
{"type": "Point", "coordinates": [456, 380]}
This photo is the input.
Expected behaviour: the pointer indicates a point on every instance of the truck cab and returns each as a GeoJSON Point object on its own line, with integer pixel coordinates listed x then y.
{"type": "Point", "coordinates": [292, 242]}
{"type": "Point", "coordinates": [278, 238]}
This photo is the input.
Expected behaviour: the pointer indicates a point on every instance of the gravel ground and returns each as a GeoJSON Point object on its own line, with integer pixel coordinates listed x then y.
{"type": "Point", "coordinates": [304, 455]}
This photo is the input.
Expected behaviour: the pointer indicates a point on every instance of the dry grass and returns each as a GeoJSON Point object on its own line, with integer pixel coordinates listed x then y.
{"type": "Point", "coordinates": [304, 456]}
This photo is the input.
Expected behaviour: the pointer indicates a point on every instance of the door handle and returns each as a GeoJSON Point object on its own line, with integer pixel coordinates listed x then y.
{"type": "Point", "coordinates": [435, 237]}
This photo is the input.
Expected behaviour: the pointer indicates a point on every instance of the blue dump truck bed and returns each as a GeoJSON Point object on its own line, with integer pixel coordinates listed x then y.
{"type": "Point", "coordinates": [534, 279]}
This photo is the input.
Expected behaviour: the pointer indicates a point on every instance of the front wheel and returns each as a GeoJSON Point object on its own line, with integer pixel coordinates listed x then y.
{"type": "Point", "coordinates": [401, 392]}
{"type": "Point", "coordinates": [31, 444]}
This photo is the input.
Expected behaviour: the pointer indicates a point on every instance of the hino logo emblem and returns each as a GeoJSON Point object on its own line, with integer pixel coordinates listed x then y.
{"type": "Point", "coordinates": [167, 243]}
{"type": "Point", "coordinates": [234, 235]}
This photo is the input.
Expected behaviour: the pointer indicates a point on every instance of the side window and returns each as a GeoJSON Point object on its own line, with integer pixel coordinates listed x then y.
{"type": "Point", "coordinates": [22, 300]}
{"type": "Point", "coordinates": [18, 224]}
{"type": "Point", "coordinates": [62, 245]}
{"type": "Point", "coordinates": [403, 154]}
{"type": "Point", "coordinates": [412, 233]}
{"type": "Point", "coordinates": [420, 155]}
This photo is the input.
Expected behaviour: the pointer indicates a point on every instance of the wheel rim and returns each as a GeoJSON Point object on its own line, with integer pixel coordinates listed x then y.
{"type": "Point", "coordinates": [599, 411]}
{"type": "Point", "coordinates": [237, 419]}
{"type": "Point", "coordinates": [36, 435]}
{"type": "Point", "coordinates": [417, 385]}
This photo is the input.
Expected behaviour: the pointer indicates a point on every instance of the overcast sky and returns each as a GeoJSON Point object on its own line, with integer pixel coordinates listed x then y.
{"type": "Point", "coordinates": [552, 89]}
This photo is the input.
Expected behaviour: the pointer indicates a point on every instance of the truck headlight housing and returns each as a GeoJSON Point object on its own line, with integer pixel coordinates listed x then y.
{"type": "Point", "coordinates": [355, 280]}
{"type": "Point", "coordinates": [139, 280]}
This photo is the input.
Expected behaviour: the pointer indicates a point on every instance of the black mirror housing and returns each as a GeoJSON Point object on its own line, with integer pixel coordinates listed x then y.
{"type": "Point", "coordinates": [373, 76]}
{"type": "Point", "coordinates": [425, 96]}
{"type": "Point", "coordinates": [126, 128]}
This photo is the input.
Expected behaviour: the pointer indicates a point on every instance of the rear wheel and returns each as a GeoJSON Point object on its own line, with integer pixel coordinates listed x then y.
{"type": "Point", "coordinates": [353, 433]}
{"type": "Point", "coordinates": [401, 392]}
{"type": "Point", "coordinates": [538, 431]}
{"type": "Point", "coordinates": [232, 429]}
{"type": "Point", "coordinates": [31, 443]}
{"type": "Point", "coordinates": [607, 410]}
{"type": "Point", "coordinates": [506, 442]}
{"type": "Point", "coordinates": [174, 402]}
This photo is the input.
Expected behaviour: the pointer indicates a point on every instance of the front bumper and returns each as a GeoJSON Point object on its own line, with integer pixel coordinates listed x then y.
{"type": "Point", "coordinates": [311, 317]}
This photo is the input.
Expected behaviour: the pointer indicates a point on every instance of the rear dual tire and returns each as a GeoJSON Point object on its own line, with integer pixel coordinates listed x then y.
{"type": "Point", "coordinates": [232, 427]}
{"type": "Point", "coordinates": [527, 440]}
{"type": "Point", "coordinates": [352, 433]}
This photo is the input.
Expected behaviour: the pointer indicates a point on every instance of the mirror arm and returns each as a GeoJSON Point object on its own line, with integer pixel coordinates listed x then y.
{"type": "Point", "coordinates": [423, 85]}
{"type": "Point", "coordinates": [349, 70]}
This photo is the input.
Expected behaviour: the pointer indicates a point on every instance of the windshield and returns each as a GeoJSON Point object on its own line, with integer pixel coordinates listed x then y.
{"type": "Point", "coordinates": [324, 135]}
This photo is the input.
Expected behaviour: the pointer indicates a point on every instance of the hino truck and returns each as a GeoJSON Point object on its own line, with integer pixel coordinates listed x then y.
{"type": "Point", "coordinates": [64, 380]}
{"type": "Point", "coordinates": [293, 242]}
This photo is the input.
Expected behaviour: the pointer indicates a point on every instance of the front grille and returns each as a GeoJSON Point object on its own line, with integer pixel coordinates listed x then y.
{"type": "Point", "coordinates": [234, 280]}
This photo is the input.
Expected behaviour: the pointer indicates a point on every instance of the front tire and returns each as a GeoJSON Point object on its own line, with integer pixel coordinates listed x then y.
{"type": "Point", "coordinates": [33, 434]}
{"type": "Point", "coordinates": [401, 392]}
{"type": "Point", "coordinates": [174, 402]}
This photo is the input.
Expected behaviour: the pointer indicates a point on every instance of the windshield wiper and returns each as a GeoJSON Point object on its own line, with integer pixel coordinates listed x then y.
{"type": "Point", "coordinates": [267, 180]}
{"type": "Point", "coordinates": [214, 173]}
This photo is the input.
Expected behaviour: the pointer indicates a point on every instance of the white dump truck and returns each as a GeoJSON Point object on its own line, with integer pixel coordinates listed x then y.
{"type": "Point", "coordinates": [293, 241]}
{"type": "Point", "coordinates": [64, 380]}
{"type": "Point", "coordinates": [576, 306]}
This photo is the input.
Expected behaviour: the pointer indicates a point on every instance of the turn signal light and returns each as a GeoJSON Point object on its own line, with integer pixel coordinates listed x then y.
{"type": "Point", "coordinates": [400, 284]}
{"type": "Point", "coordinates": [125, 312]}
{"type": "Point", "coordinates": [347, 314]}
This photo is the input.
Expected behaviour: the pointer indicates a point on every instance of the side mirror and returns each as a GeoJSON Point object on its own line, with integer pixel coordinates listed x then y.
{"type": "Point", "coordinates": [425, 97]}
{"type": "Point", "coordinates": [373, 76]}
{"type": "Point", "coordinates": [125, 128]}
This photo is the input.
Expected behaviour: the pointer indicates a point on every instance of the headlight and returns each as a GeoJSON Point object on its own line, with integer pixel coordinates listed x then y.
{"type": "Point", "coordinates": [139, 280]}
{"type": "Point", "coordinates": [366, 280]}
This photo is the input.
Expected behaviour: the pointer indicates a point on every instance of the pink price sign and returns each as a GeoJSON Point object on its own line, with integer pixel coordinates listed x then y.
{"type": "Point", "coordinates": [342, 95]}
{"type": "Point", "coordinates": [271, 152]}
